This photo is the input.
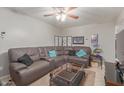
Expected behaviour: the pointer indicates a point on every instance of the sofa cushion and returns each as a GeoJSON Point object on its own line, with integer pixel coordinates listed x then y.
{"type": "Point", "coordinates": [58, 61]}
{"type": "Point", "coordinates": [55, 59]}
{"type": "Point", "coordinates": [66, 58]}
{"type": "Point", "coordinates": [35, 58]}
{"type": "Point", "coordinates": [17, 66]}
{"type": "Point", "coordinates": [48, 59]}
{"type": "Point", "coordinates": [25, 59]}
{"type": "Point", "coordinates": [59, 50]}
{"type": "Point", "coordinates": [66, 50]}
{"type": "Point", "coordinates": [38, 65]}
{"type": "Point", "coordinates": [59, 58]}
{"type": "Point", "coordinates": [34, 72]}
{"type": "Point", "coordinates": [79, 61]}
{"type": "Point", "coordinates": [81, 53]}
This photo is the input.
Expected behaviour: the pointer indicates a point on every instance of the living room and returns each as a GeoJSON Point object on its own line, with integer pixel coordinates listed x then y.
{"type": "Point", "coordinates": [38, 27]}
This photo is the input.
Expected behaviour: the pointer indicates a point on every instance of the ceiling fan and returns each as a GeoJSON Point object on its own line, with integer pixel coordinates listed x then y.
{"type": "Point", "coordinates": [61, 13]}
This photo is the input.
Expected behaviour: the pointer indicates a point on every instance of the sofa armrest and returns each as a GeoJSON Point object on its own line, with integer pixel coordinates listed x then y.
{"type": "Point", "coordinates": [17, 66]}
{"type": "Point", "coordinates": [88, 58]}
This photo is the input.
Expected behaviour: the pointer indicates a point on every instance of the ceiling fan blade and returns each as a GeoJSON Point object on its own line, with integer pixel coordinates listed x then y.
{"type": "Point", "coordinates": [51, 14]}
{"type": "Point", "coordinates": [73, 16]}
{"type": "Point", "coordinates": [71, 8]}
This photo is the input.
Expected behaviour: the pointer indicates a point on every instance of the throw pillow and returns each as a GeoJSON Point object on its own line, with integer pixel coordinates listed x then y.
{"type": "Point", "coordinates": [52, 53]}
{"type": "Point", "coordinates": [25, 59]}
{"type": "Point", "coordinates": [71, 53]}
{"type": "Point", "coordinates": [81, 53]}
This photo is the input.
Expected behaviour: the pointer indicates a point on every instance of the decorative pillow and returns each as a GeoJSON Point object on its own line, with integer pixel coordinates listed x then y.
{"type": "Point", "coordinates": [25, 59]}
{"type": "Point", "coordinates": [81, 53]}
{"type": "Point", "coordinates": [71, 52]}
{"type": "Point", "coordinates": [52, 53]}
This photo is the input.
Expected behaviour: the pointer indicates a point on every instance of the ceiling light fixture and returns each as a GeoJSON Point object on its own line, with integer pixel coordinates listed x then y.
{"type": "Point", "coordinates": [61, 17]}
{"type": "Point", "coordinates": [62, 13]}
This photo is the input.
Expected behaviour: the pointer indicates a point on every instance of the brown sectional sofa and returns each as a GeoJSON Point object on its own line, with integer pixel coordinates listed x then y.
{"type": "Point", "coordinates": [42, 63]}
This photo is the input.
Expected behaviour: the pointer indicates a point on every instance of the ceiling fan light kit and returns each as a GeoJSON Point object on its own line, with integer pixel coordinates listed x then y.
{"type": "Point", "coordinates": [61, 17]}
{"type": "Point", "coordinates": [61, 13]}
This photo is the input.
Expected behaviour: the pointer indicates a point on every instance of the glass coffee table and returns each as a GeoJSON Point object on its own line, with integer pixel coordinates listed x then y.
{"type": "Point", "coordinates": [67, 75]}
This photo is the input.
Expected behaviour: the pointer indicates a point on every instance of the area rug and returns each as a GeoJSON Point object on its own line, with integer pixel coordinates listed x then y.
{"type": "Point", "coordinates": [89, 78]}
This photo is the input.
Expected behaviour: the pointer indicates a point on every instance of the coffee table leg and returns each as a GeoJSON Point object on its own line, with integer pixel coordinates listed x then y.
{"type": "Point", "coordinates": [51, 77]}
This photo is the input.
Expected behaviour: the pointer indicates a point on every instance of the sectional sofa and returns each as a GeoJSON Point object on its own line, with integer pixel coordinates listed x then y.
{"type": "Point", "coordinates": [42, 63]}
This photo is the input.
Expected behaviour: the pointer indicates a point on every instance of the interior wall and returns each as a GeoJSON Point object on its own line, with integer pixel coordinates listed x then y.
{"type": "Point", "coordinates": [106, 37]}
{"type": "Point", "coordinates": [120, 23]}
{"type": "Point", "coordinates": [120, 37]}
{"type": "Point", "coordinates": [22, 31]}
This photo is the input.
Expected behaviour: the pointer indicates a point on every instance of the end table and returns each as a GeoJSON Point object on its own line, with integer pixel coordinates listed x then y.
{"type": "Point", "coordinates": [97, 58]}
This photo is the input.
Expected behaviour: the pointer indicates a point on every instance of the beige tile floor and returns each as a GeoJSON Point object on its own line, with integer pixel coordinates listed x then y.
{"type": "Point", "coordinates": [99, 77]}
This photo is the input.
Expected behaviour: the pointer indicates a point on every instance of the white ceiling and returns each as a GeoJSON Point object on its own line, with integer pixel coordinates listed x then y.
{"type": "Point", "coordinates": [87, 15]}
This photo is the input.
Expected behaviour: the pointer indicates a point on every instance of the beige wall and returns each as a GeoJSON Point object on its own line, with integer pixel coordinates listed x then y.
{"type": "Point", "coordinates": [106, 37]}
{"type": "Point", "coordinates": [120, 37]}
{"type": "Point", "coordinates": [120, 23]}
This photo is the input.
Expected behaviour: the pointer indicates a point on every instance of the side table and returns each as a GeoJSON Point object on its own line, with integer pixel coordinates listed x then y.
{"type": "Point", "coordinates": [97, 58]}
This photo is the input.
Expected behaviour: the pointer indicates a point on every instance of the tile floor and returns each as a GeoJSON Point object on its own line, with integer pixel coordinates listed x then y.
{"type": "Point", "coordinates": [99, 78]}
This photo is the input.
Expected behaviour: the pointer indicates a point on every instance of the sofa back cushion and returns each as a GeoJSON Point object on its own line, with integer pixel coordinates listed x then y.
{"type": "Point", "coordinates": [42, 52]}
{"type": "Point", "coordinates": [67, 49]}
{"type": "Point", "coordinates": [59, 50]}
{"type": "Point", "coordinates": [15, 53]}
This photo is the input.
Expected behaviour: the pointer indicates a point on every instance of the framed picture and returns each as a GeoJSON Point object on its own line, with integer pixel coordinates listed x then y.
{"type": "Point", "coordinates": [94, 40]}
{"type": "Point", "coordinates": [78, 40]}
